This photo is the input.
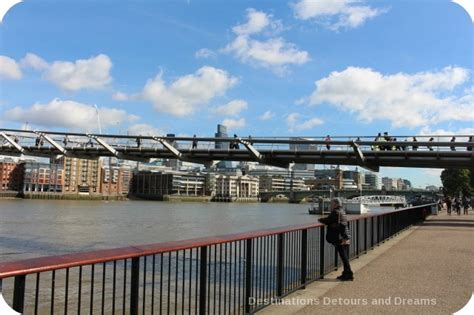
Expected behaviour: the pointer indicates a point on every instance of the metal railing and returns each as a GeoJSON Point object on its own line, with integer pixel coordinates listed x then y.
{"type": "Point", "coordinates": [231, 274]}
{"type": "Point", "coordinates": [27, 139]}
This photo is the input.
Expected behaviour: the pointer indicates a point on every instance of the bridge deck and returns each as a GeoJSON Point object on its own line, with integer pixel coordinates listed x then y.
{"type": "Point", "coordinates": [433, 261]}
{"type": "Point", "coordinates": [426, 159]}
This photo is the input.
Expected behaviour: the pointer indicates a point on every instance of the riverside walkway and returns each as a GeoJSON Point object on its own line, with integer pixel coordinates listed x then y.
{"type": "Point", "coordinates": [433, 261]}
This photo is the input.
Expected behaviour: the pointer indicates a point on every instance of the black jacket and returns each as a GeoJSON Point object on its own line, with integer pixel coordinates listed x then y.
{"type": "Point", "coordinates": [338, 228]}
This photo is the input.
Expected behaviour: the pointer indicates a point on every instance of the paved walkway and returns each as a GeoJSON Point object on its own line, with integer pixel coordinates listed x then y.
{"type": "Point", "coordinates": [431, 264]}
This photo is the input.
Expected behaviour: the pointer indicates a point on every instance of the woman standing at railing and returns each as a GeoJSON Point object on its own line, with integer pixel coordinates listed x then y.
{"type": "Point", "coordinates": [338, 235]}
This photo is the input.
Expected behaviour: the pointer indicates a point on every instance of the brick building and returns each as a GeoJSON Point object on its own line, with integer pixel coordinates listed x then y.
{"type": "Point", "coordinates": [11, 175]}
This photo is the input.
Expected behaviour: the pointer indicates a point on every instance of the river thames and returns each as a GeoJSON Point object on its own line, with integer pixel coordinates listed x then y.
{"type": "Point", "coordinates": [32, 228]}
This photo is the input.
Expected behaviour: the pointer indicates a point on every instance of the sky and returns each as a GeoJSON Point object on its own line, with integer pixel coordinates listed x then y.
{"type": "Point", "coordinates": [263, 68]}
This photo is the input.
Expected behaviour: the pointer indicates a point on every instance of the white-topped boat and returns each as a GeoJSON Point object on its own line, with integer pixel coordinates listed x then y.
{"type": "Point", "coordinates": [362, 204]}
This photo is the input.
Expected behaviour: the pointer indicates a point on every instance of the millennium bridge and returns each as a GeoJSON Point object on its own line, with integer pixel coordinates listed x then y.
{"type": "Point", "coordinates": [421, 151]}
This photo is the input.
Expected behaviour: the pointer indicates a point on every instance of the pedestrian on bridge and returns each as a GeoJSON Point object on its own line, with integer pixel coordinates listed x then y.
{"type": "Point", "coordinates": [65, 141]}
{"type": "Point", "coordinates": [375, 147]}
{"type": "Point", "coordinates": [453, 139]}
{"type": "Point", "coordinates": [387, 138]}
{"type": "Point", "coordinates": [379, 138]}
{"type": "Point", "coordinates": [236, 142]}
{"type": "Point", "coordinates": [430, 147]}
{"type": "Point", "coordinates": [139, 142]}
{"type": "Point", "coordinates": [415, 147]}
{"type": "Point", "coordinates": [328, 142]}
{"type": "Point", "coordinates": [195, 142]}
{"type": "Point", "coordinates": [471, 140]}
{"type": "Point", "coordinates": [396, 147]}
{"type": "Point", "coordinates": [338, 235]}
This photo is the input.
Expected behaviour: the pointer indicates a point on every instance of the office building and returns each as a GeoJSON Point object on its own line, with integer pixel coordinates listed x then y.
{"type": "Point", "coordinates": [237, 187]}
{"type": "Point", "coordinates": [115, 180]}
{"type": "Point", "coordinates": [158, 184]}
{"type": "Point", "coordinates": [81, 176]}
{"type": "Point", "coordinates": [43, 178]}
{"type": "Point", "coordinates": [11, 175]}
{"type": "Point", "coordinates": [222, 133]}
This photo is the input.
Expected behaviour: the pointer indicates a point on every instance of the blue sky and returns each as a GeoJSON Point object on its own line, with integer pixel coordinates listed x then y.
{"type": "Point", "coordinates": [270, 68]}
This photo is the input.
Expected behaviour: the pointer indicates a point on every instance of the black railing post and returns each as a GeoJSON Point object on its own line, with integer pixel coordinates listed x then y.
{"type": "Point", "coordinates": [379, 229]}
{"type": "Point", "coordinates": [321, 252]}
{"type": "Point", "coordinates": [202, 280]}
{"type": "Point", "coordinates": [280, 259]}
{"type": "Point", "coordinates": [134, 285]}
{"type": "Point", "coordinates": [365, 235]}
{"type": "Point", "coordinates": [382, 230]}
{"type": "Point", "coordinates": [372, 229]}
{"type": "Point", "coordinates": [304, 253]}
{"type": "Point", "coordinates": [357, 237]}
{"type": "Point", "coordinates": [248, 275]}
{"type": "Point", "coordinates": [19, 293]}
{"type": "Point", "coordinates": [389, 219]}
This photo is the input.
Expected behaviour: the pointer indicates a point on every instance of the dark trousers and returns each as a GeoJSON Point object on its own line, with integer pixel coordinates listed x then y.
{"type": "Point", "coordinates": [343, 251]}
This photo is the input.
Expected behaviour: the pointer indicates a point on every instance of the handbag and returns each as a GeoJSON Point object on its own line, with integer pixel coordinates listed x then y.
{"type": "Point", "coordinates": [335, 232]}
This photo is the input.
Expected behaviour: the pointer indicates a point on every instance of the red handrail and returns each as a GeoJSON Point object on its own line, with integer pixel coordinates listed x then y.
{"type": "Point", "coordinates": [48, 263]}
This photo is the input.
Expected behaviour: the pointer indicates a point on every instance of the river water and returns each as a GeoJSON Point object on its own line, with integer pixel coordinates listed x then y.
{"type": "Point", "coordinates": [31, 228]}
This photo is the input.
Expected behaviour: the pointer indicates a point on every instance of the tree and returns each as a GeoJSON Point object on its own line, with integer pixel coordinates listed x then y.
{"type": "Point", "coordinates": [457, 181]}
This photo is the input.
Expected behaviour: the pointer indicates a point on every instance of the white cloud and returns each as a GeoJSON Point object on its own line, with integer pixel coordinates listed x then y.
{"type": "Point", "coordinates": [336, 13]}
{"type": "Point", "coordinates": [34, 61]}
{"type": "Point", "coordinates": [68, 114]}
{"type": "Point", "coordinates": [120, 96]}
{"type": "Point", "coordinates": [233, 108]}
{"type": "Point", "coordinates": [294, 123]}
{"type": "Point", "coordinates": [9, 69]}
{"type": "Point", "coordinates": [204, 53]}
{"type": "Point", "coordinates": [274, 53]}
{"type": "Point", "coordinates": [309, 124]}
{"type": "Point", "coordinates": [267, 115]}
{"type": "Point", "coordinates": [257, 21]}
{"type": "Point", "coordinates": [442, 132]}
{"type": "Point", "coordinates": [187, 93]}
{"type": "Point", "coordinates": [92, 73]}
{"type": "Point", "coordinates": [234, 123]}
{"type": "Point", "coordinates": [301, 101]}
{"type": "Point", "coordinates": [144, 130]}
{"type": "Point", "coordinates": [409, 100]}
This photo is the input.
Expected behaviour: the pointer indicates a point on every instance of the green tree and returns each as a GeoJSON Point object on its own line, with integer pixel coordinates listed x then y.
{"type": "Point", "coordinates": [456, 181]}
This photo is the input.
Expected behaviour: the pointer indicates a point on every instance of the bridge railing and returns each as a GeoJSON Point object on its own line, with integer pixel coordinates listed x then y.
{"type": "Point", "coordinates": [29, 138]}
{"type": "Point", "coordinates": [230, 274]}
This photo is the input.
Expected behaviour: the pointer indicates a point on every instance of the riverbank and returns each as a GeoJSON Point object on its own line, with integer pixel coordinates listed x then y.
{"type": "Point", "coordinates": [9, 195]}
{"type": "Point", "coordinates": [169, 198]}
{"type": "Point", "coordinates": [56, 196]}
